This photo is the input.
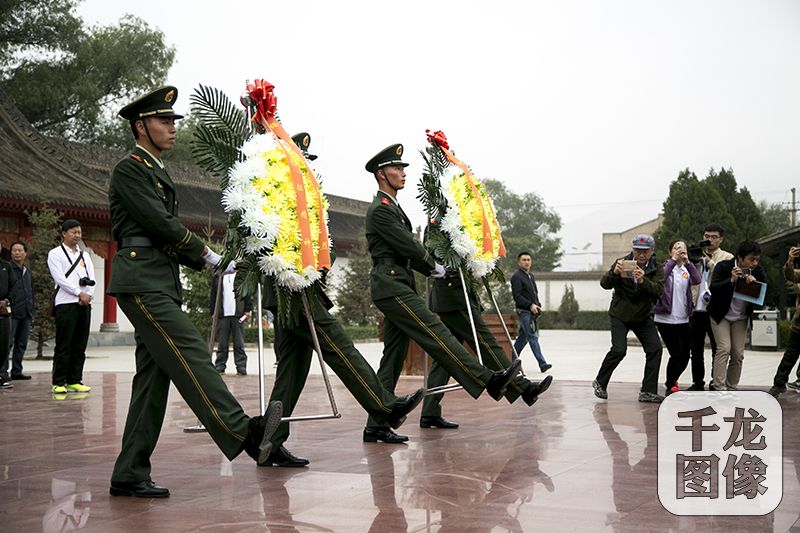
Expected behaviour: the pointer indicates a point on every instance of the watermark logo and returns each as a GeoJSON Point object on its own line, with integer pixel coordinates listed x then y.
{"type": "Point", "coordinates": [720, 453]}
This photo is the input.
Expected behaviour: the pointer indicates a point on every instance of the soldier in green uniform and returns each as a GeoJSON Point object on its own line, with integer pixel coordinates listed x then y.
{"type": "Point", "coordinates": [152, 244]}
{"type": "Point", "coordinates": [296, 346]}
{"type": "Point", "coordinates": [447, 300]}
{"type": "Point", "coordinates": [395, 252]}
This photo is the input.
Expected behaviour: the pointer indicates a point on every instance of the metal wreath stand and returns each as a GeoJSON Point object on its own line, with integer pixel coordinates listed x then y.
{"type": "Point", "coordinates": [247, 102]}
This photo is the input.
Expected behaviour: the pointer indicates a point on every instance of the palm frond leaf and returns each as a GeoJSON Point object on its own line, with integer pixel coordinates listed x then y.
{"type": "Point", "coordinates": [216, 151]}
{"type": "Point", "coordinates": [222, 130]}
{"type": "Point", "coordinates": [216, 111]}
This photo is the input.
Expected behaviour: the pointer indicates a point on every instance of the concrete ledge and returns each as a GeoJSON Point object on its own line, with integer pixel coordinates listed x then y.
{"type": "Point", "coordinates": [109, 338]}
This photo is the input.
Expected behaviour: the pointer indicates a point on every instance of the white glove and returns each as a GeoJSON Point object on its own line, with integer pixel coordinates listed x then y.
{"type": "Point", "coordinates": [438, 271]}
{"type": "Point", "coordinates": [212, 258]}
{"type": "Point", "coordinates": [230, 269]}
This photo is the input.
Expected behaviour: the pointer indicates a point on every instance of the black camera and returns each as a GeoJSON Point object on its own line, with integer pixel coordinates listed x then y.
{"type": "Point", "coordinates": [695, 251]}
{"type": "Point", "coordinates": [86, 282]}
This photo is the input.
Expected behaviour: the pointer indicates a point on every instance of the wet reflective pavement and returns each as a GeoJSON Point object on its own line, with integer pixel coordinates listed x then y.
{"type": "Point", "coordinates": [570, 463]}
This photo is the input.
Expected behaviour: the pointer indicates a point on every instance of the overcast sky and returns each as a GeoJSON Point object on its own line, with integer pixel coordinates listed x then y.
{"type": "Point", "coordinates": [594, 105]}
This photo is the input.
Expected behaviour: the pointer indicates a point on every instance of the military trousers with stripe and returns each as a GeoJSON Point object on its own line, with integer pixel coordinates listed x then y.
{"type": "Point", "coordinates": [492, 354]}
{"type": "Point", "coordinates": [296, 348]}
{"type": "Point", "coordinates": [169, 348]}
{"type": "Point", "coordinates": [407, 317]}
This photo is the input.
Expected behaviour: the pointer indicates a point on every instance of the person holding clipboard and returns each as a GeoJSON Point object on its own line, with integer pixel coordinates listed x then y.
{"type": "Point", "coordinates": [736, 285]}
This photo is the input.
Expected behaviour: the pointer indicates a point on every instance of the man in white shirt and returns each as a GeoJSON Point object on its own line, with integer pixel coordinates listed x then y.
{"type": "Point", "coordinates": [231, 313]}
{"type": "Point", "coordinates": [73, 273]}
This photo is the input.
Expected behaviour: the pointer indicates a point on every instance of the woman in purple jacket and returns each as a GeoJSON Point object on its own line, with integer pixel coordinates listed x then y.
{"type": "Point", "coordinates": [673, 309]}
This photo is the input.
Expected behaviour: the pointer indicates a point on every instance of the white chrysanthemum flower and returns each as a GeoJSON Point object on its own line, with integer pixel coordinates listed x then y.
{"type": "Point", "coordinates": [253, 244]}
{"type": "Point", "coordinates": [233, 199]}
{"type": "Point", "coordinates": [272, 264]}
{"type": "Point", "coordinates": [251, 199]}
{"type": "Point", "coordinates": [271, 223]}
{"type": "Point", "coordinates": [258, 144]}
{"type": "Point", "coordinates": [253, 220]}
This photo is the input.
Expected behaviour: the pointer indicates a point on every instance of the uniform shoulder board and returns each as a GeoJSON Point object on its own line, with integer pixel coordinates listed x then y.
{"type": "Point", "coordinates": [385, 201]}
{"type": "Point", "coordinates": [141, 160]}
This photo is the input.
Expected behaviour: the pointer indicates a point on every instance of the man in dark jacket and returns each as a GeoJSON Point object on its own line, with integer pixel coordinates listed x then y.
{"type": "Point", "coordinates": [637, 281]}
{"type": "Point", "coordinates": [22, 310]}
{"type": "Point", "coordinates": [528, 307]}
{"type": "Point", "coordinates": [730, 314]}
{"type": "Point", "coordinates": [6, 279]}
{"type": "Point", "coordinates": [792, 275]}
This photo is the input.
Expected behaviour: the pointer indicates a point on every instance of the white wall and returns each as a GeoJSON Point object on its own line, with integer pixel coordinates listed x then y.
{"type": "Point", "coordinates": [588, 292]}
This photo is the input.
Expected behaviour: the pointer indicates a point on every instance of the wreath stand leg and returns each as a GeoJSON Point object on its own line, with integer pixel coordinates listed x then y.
{"type": "Point", "coordinates": [514, 354]}
{"type": "Point", "coordinates": [334, 410]}
{"type": "Point", "coordinates": [453, 386]}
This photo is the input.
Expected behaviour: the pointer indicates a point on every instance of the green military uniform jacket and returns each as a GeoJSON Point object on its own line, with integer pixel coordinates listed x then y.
{"type": "Point", "coordinates": [447, 296]}
{"type": "Point", "coordinates": [143, 204]}
{"type": "Point", "coordinates": [387, 223]}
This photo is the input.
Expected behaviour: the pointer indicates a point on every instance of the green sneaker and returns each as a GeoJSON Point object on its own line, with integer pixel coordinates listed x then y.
{"type": "Point", "coordinates": [794, 385]}
{"type": "Point", "coordinates": [78, 387]}
{"type": "Point", "coordinates": [59, 389]}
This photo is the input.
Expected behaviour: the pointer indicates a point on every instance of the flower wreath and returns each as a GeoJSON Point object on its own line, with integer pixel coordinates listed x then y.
{"type": "Point", "coordinates": [469, 218]}
{"type": "Point", "coordinates": [282, 213]}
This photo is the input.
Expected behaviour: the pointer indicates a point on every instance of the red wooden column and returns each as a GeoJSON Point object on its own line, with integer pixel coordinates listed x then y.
{"type": "Point", "coordinates": [109, 302]}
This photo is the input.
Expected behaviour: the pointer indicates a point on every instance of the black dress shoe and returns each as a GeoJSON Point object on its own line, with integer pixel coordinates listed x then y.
{"type": "Point", "coordinates": [532, 391]}
{"type": "Point", "coordinates": [283, 457]}
{"type": "Point", "coordinates": [241, 372]}
{"type": "Point", "coordinates": [142, 489]}
{"type": "Point", "coordinates": [384, 435]}
{"type": "Point", "coordinates": [257, 443]}
{"type": "Point", "coordinates": [21, 377]}
{"type": "Point", "coordinates": [404, 405]}
{"type": "Point", "coordinates": [496, 386]}
{"type": "Point", "coordinates": [436, 422]}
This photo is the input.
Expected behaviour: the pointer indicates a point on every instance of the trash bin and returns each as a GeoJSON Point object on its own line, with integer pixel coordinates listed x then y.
{"type": "Point", "coordinates": [764, 330]}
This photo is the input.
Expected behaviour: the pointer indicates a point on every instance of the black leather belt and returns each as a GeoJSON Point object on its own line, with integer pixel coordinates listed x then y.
{"type": "Point", "coordinates": [135, 242]}
{"type": "Point", "coordinates": [394, 261]}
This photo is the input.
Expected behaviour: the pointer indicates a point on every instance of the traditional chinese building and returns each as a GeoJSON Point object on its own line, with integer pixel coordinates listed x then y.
{"type": "Point", "coordinates": [73, 178]}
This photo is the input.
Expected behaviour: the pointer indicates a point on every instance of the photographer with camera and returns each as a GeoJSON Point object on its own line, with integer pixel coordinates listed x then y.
{"type": "Point", "coordinates": [673, 309]}
{"type": "Point", "coordinates": [791, 271]}
{"type": "Point", "coordinates": [73, 273]}
{"type": "Point", "coordinates": [729, 315]}
{"type": "Point", "coordinates": [637, 282]}
{"type": "Point", "coordinates": [705, 254]}
{"type": "Point", "coordinates": [528, 308]}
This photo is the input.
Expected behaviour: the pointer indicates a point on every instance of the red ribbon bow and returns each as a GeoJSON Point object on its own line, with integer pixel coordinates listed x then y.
{"type": "Point", "coordinates": [437, 137]}
{"type": "Point", "coordinates": [261, 92]}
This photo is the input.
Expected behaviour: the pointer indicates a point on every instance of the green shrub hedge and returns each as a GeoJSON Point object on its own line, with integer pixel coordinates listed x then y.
{"type": "Point", "coordinates": [591, 320]}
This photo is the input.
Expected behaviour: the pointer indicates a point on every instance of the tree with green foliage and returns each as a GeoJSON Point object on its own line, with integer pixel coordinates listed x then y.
{"type": "Point", "coordinates": [776, 217]}
{"type": "Point", "coordinates": [44, 236]}
{"type": "Point", "coordinates": [70, 80]}
{"type": "Point", "coordinates": [353, 298]}
{"type": "Point", "coordinates": [520, 217]}
{"type": "Point", "coordinates": [568, 310]}
{"type": "Point", "coordinates": [693, 203]}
